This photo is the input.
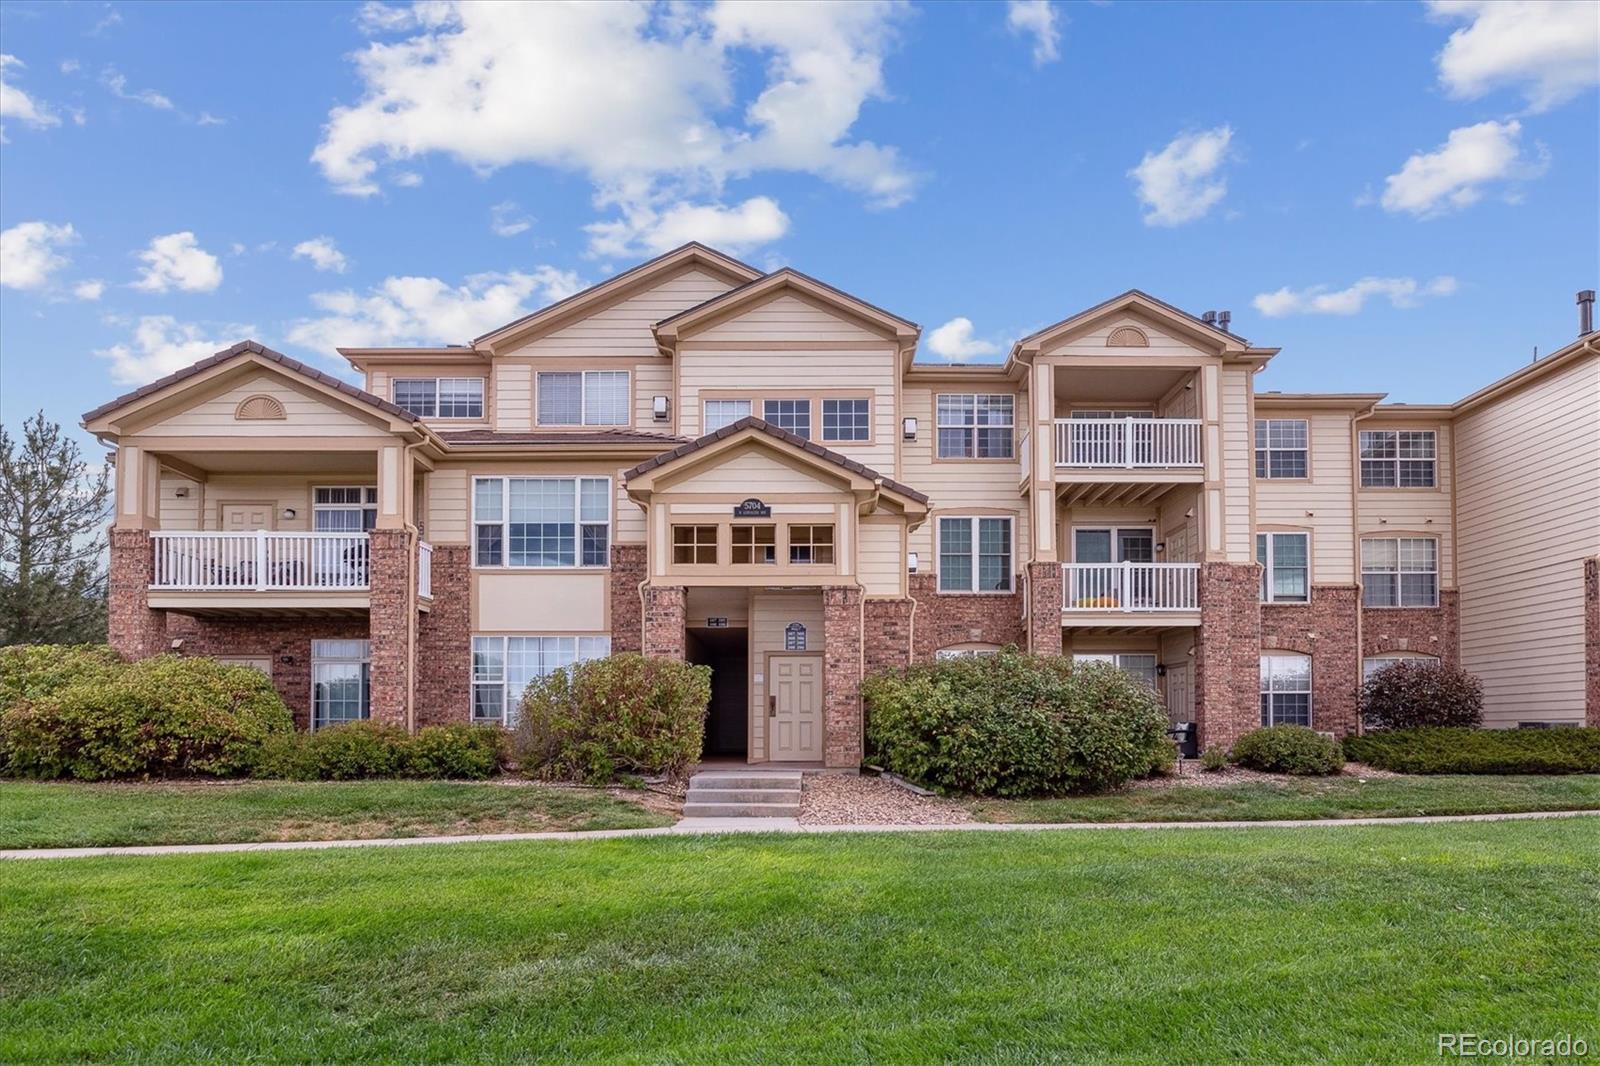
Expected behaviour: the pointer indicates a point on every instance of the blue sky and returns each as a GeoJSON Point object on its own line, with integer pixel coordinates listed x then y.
{"type": "Point", "coordinates": [1403, 197]}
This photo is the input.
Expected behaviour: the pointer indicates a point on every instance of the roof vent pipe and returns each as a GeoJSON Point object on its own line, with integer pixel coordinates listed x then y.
{"type": "Point", "coordinates": [1585, 312]}
{"type": "Point", "coordinates": [1223, 318]}
{"type": "Point", "coordinates": [1209, 318]}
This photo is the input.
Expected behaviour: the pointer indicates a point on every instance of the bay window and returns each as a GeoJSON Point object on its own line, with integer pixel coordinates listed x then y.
{"type": "Point", "coordinates": [541, 521]}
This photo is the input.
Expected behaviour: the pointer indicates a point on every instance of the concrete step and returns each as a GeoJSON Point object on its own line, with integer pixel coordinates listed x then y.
{"type": "Point", "coordinates": [740, 810]}
{"type": "Point", "coordinates": [742, 795]}
{"type": "Point", "coordinates": [788, 781]}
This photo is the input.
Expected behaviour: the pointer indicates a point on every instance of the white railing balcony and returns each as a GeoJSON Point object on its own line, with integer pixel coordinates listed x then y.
{"type": "Point", "coordinates": [1130, 586]}
{"type": "Point", "coordinates": [1127, 443]}
{"type": "Point", "coordinates": [424, 569]}
{"type": "Point", "coordinates": [261, 561]}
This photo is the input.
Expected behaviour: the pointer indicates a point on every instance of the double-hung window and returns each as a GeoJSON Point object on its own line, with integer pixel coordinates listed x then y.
{"type": "Point", "coordinates": [590, 398]}
{"type": "Point", "coordinates": [792, 415]}
{"type": "Point", "coordinates": [502, 667]}
{"type": "Point", "coordinates": [721, 413]}
{"type": "Point", "coordinates": [1398, 458]}
{"type": "Point", "coordinates": [1282, 448]}
{"type": "Point", "coordinates": [975, 554]}
{"type": "Point", "coordinates": [845, 420]}
{"type": "Point", "coordinates": [541, 521]}
{"type": "Point", "coordinates": [440, 397]}
{"type": "Point", "coordinates": [344, 508]}
{"type": "Point", "coordinates": [1285, 689]}
{"type": "Point", "coordinates": [1399, 572]}
{"type": "Point", "coordinates": [341, 681]}
{"type": "Point", "coordinates": [1285, 560]}
{"type": "Point", "coordinates": [975, 425]}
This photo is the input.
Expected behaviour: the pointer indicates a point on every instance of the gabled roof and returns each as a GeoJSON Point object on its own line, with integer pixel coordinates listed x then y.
{"type": "Point", "coordinates": [1135, 300]}
{"type": "Point", "coordinates": [693, 253]}
{"type": "Point", "coordinates": [903, 330]}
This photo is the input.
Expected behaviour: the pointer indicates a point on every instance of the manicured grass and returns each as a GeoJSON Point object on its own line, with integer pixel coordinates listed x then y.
{"type": "Point", "coordinates": [1266, 945]}
{"type": "Point", "coordinates": [57, 815]}
{"type": "Point", "coordinates": [1312, 797]}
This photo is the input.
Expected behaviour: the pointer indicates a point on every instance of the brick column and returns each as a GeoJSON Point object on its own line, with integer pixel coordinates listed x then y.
{"type": "Point", "coordinates": [841, 676]}
{"type": "Point", "coordinates": [1227, 668]}
{"type": "Point", "coordinates": [444, 641]}
{"type": "Point", "coordinates": [886, 635]}
{"type": "Point", "coordinates": [1591, 643]}
{"type": "Point", "coordinates": [1044, 608]}
{"type": "Point", "coordinates": [664, 618]}
{"type": "Point", "coordinates": [1324, 629]}
{"type": "Point", "coordinates": [133, 629]}
{"type": "Point", "coordinates": [392, 622]}
{"type": "Point", "coordinates": [627, 613]}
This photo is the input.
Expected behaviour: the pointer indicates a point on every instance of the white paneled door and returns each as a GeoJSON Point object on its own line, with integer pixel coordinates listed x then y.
{"type": "Point", "coordinates": [796, 708]}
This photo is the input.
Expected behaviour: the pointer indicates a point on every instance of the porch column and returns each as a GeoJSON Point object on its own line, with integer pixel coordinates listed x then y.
{"type": "Point", "coordinates": [392, 622]}
{"type": "Point", "coordinates": [133, 629]}
{"type": "Point", "coordinates": [665, 614]}
{"type": "Point", "coordinates": [1044, 608]}
{"type": "Point", "coordinates": [1227, 665]}
{"type": "Point", "coordinates": [842, 741]}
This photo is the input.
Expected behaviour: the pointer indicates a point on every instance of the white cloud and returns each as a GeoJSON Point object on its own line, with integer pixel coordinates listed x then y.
{"type": "Point", "coordinates": [1181, 183]}
{"type": "Point", "coordinates": [954, 341]}
{"type": "Point", "coordinates": [507, 220]}
{"type": "Point", "coordinates": [70, 66]}
{"type": "Point", "coordinates": [323, 253]}
{"type": "Point", "coordinates": [117, 82]}
{"type": "Point", "coordinates": [1325, 300]}
{"type": "Point", "coordinates": [208, 119]}
{"type": "Point", "coordinates": [176, 261]}
{"type": "Point", "coordinates": [413, 310]}
{"type": "Point", "coordinates": [1037, 19]}
{"type": "Point", "coordinates": [654, 110]}
{"type": "Point", "coordinates": [1550, 49]}
{"type": "Point", "coordinates": [644, 230]}
{"type": "Point", "coordinates": [1453, 175]}
{"type": "Point", "coordinates": [407, 179]}
{"type": "Point", "coordinates": [91, 289]}
{"type": "Point", "coordinates": [18, 105]}
{"type": "Point", "coordinates": [162, 344]}
{"type": "Point", "coordinates": [30, 253]}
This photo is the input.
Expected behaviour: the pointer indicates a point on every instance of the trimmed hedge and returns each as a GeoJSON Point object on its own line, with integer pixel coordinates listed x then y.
{"type": "Point", "coordinates": [1288, 749]}
{"type": "Point", "coordinates": [1480, 751]}
{"type": "Point", "coordinates": [359, 750]}
{"type": "Point", "coordinates": [625, 714]}
{"type": "Point", "coordinates": [1411, 693]}
{"type": "Point", "coordinates": [1016, 725]}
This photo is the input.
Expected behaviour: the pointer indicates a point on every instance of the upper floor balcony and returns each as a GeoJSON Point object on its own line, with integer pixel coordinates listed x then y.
{"type": "Point", "coordinates": [1130, 594]}
{"type": "Point", "coordinates": [1108, 442]}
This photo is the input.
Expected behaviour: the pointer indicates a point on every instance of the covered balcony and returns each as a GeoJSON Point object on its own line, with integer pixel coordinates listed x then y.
{"type": "Point", "coordinates": [1130, 594]}
{"type": "Point", "coordinates": [1125, 435]}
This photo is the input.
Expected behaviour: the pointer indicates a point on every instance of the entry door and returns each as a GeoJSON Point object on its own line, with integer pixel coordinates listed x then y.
{"type": "Point", "coordinates": [246, 517]}
{"type": "Point", "coordinates": [1180, 694]}
{"type": "Point", "coordinates": [795, 708]}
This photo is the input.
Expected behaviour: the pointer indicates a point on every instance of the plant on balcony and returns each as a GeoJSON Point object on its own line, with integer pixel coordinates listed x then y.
{"type": "Point", "coordinates": [626, 714]}
{"type": "Point", "coordinates": [1444, 750]}
{"type": "Point", "coordinates": [1412, 693]}
{"type": "Point", "coordinates": [1015, 725]}
{"type": "Point", "coordinates": [1288, 749]}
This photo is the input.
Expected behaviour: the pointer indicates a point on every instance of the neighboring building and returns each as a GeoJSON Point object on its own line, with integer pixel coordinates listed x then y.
{"type": "Point", "coordinates": [696, 459]}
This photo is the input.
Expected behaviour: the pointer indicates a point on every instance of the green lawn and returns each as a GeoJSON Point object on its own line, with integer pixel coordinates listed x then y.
{"type": "Point", "coordinates": [1269, 945]}
{"type": "Point", "coordinates": [1314, 797]}
{"type": "Point", "coordinates": [55, 814]}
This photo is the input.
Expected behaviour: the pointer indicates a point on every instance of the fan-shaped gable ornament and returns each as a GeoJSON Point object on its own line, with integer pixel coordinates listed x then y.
{"type": "Point", "coordinates": [259, 408]}
{"type": "Point", "coordinates": [1127, 337]}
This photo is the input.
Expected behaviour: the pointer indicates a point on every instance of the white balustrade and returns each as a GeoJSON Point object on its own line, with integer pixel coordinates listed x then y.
{"type": "Point", "coordinates": [424, 569]}
{"type": "Point", "coordinates": [1128, 442]}
{"type": "Point", "coordinates": [260, 561]}
{"type": "Point", "coordinates": [1130, 586]}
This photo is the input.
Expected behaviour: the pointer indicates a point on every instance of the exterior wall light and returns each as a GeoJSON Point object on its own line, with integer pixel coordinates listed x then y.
{"type": "Point", "coordinates": [911, 562]}
{"type": "Point", "coordinates": [659, 406]}
{"type": "Point", "coordinates": [908, 428]}
{"type": "Point", "coordinates": [289, 513]}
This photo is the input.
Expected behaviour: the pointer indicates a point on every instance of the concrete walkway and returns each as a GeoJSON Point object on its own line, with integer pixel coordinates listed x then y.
{"type": "Point", "coordinates": [723, 826]}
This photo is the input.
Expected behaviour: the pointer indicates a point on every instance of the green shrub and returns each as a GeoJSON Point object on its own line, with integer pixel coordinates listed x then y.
{"type": "Point", "coordinates": [1164, 760]}
{"type": "Point", "coordinates": [1214, 759]}
{"type": "Point", "coordinates": [346, 752]}
{"type": "Point", "coordinates": [1288, 749]}
{"type": "Point", "coordinates": [33, 671]}
{"type": "Point", "coordinates": [1480, 751]}
{"type": "Point", "coordinates": [161, 717]}
{"type": "Point", "coordinates": [626, 714]}
{"type": "Point", "coordinates": [463, 752]}
{"type": "Point", "coordinates": [1015, 725]}
{"type": "Point", "coordinates": [1411, 693]}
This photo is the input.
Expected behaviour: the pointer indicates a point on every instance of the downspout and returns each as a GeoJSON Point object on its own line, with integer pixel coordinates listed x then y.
{"type": "Point", "coordinates": [1355, 537]}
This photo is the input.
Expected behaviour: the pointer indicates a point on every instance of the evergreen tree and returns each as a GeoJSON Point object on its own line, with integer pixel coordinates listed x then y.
{"type": "Point", "coordinates": [53, 514]}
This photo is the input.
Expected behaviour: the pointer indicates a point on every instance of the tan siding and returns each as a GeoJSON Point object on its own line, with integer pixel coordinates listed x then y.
{"type": "Point", "coordinates": [1238, 464]}
{"type": "Point", "coordinates": [1323, 504]}
{"type": "Point", "coordinates": [1093, 343]}
{"type": "Point", "coordinates": [958, 487]}
{"type": "Point", "coordinates": [649, 381]}
{"type": "Point", "coordinates": [1528, 508]}
{"type": "Point", "coordinates": [785, 318]}
{"type": "Point", "coordinates": [513, 397]}
{"type": "Point", "coordinates": [750, 473]}
{"type": "Point", "coordinates": [305, 415]}
{"type": "Point", "coordinates": [566, 601]}
{"type": "Point", "coordinates": [882, 561]}
{"type": "Point", "coordinates": [770, 612]}
{"type": "Point", "coordinates": [283, 492]}
{"type": "Point", "coordinates": [629, 520]}
{"type": "Point", "coordinates": [179, 512]}
{"type": "Point", "coordinates": [623, 329]}
{"type": "Point", "coordinates": [1424, 511]}
{"type": "Point", "coordinates": [449, 506]}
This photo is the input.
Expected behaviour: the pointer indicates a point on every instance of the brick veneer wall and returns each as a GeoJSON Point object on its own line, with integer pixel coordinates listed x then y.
{"type": "Point", "coordinates": [1227, 668]}
{"type": "Point", "coordinates": [628, 569]}
{"type": "Point", "coordinates": [286, 642]}
{"type": "Point", "coordinates": [444, 641]}
{"type": "Point", "coordinates": [1591, 641]}
{"type": "Point", "coordinates": [943, 619]}
{"type": "Point", "coordinates": [393, 620]}
{"type": "Point", "coordinates": [841, 676]}
{"type": "Point", "coordinates": [1044, 608]}
{"type": "Point", "coordinates": [664, 618]}
{"type": "Point", "coordinates": [1425, 630]}
{"type": "Point", "coordinates": [1324, 629]}
{"type": "Point", "coordinates": [133, 629]}
{"type": "Point", "coordinates": [886, 635]}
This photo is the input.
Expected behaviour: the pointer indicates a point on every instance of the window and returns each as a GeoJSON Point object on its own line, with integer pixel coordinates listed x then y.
{"type": "Point", "coordinates": [503, 666]}
{"type": "Point", "coordinates": [810, 545]}
{"type": "Point", "coordinates": [755, 545]}
{"type": "Point", "coordinates": [975, 554]}
{"type": "Point", "coordinates": [1281, 447]}
{"type": "Point", "coordinates": [792, 415]}
{"type": "Point", "coordinates": [1285, 559]}
{"type": "Point", "coordinates": [1373, 664]}
{"type": "Point", "coordinates": [1400, 572]}
{"type": "Point", "coordinates": [344, 509]}
{"type": "Point", "coordinates": [969, 652]}
{"type": "Point", "coordinates": [542, 521]}
{"type": "Point", "coordinates": [592, 398]}
{"type": "Point", "coordinates": [440, 397]}
{"type": "Point", "coordinates": [1286, 690]}
{"type": "Point", "coordinates": [975, 426]}
{"type": "Point", "coordinates": [845, 420]}
{"type": "Point", "coordinates": [1402, 458]}
{"type": "Point", "coordinates": [721, 413]}
{"type": "Point", "coordinates": [341, 681]}
{"type": "Point", "coordinates": [1136, 544]}
{"type": "Point", "coordinates": [694, 545]}
{"type": "Point", "coordinates": [1141, 666]}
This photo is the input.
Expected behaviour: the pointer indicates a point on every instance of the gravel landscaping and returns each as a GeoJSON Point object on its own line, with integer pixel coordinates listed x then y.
{"type": "Point", "coordinates": [846, 799]}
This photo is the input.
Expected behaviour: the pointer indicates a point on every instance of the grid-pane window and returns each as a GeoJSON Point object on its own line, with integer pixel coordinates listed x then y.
{"type": "Point", "coordinates": [754, 545]}
{"type": "Point", "coordinates": [975, 426]}
{"type": "Point", "coordinates": [844, 420]}
{"type": "Point", "coordinates": [967, 653]}
{"type": "Point", "coordinates": [341, 682]}
{"type": "Point", "coordinates": [502, 667]}
{"type": "Point", "coordinates": [694, 545]}
{"type": "Point", "coordinates": [1371, 665]}
{"type": "Point", "coordinates": [592, 398]}
{"type": "Point", "coordinates": [344, 508]}
{"type": "Point", "coordinates": [975, 554]}
{"type": "Point", "coordinates": [1404, 458]}
{"type": "Point", "coordinates": [1281, 447]}
{"type": "Point", "coordinates": [460, 397]}
{"type": "Point", "coordinates": [1285, 560]}
{"type": "Point", "coordinates": [420, 396]}
{"type": "Point", "coordinates": [792, 415]}
{"type": "Point", "coordinates": [1141, 666]}
{"type": "Point", "coordinates": [810, 545]}
{"type": "Point", "coordinates": [1286, 690]}
{"type": "Point", "coordinates": [541, 521]}
{"type": "Point", "coordinates": [721, 413]}
{"type": "Point", "coordinates": [1400, 572]}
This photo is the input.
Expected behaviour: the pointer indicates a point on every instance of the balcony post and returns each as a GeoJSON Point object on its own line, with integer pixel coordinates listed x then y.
{"type": "Point", "coordinates": [261, 560]}
{"type": "Point", "coordinates": [392, 622]}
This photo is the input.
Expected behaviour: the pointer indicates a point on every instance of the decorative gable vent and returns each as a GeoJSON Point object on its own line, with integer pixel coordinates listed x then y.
{"type": "Point", "coordinates": [1127, 337]}
{"type": "Point", "coordinates": [257, 408]}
